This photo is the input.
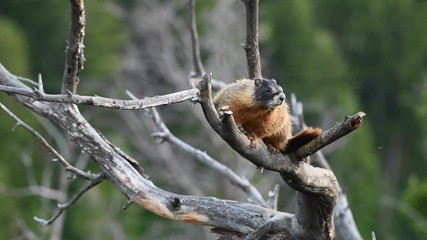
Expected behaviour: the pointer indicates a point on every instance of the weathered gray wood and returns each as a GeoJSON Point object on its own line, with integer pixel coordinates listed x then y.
{"type": "Point", "coordinates": [317, 188]}
{"type": "Point", "coordinates": [125, 173]}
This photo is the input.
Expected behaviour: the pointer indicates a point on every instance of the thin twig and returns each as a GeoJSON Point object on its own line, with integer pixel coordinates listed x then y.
{"type": "Point", "coordinates": [27, 80]}
{"type": "Point", "coordinates": [71, 202]}
{"type": "Point", "coordinates": [68, 167]}
{"type": "Point", "coordinates": [127, 204]}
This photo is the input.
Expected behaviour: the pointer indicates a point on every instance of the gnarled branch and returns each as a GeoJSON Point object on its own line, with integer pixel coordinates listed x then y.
{"type": "Point", "coordinates": [317, 188]}
{"type": "Point", "coordinates": [117, 167]}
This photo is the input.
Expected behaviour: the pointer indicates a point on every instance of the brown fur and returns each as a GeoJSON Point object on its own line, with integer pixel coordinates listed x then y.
{"type": "Point", "coordinates": [273, 126]}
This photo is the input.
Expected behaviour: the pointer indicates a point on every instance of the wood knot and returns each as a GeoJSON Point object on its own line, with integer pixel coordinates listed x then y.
{"type": "Point", "coordinates": [176, 203]}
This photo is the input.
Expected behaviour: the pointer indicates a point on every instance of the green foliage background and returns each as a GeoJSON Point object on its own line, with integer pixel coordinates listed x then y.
{"type": "Point", "coordinates": [339, 57]}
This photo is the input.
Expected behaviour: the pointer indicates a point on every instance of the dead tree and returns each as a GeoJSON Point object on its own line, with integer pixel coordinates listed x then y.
{"type": "Point", "coordinates": [320, 199]}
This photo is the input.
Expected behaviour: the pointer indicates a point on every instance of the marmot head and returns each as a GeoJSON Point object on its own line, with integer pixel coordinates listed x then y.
{"type": "Point", "coordinates": [268, 93]}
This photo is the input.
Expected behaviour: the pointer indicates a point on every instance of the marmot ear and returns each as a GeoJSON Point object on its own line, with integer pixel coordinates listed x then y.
{"type": "Point", "coordinates": [257, 81]}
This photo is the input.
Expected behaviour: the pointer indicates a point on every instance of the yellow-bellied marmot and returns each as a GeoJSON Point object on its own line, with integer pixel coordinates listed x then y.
{"type": "Point", "coordinates": [259, 108]}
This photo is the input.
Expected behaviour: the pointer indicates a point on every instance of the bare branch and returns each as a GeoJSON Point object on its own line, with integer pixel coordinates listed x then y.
{"type": "Point", "coordinates": [195, 46]}
{"type": "Point", "coordinates": [240, 217]}
{"type": "Point", "coordinates": [75, 46]}
{"type": "Point", "coordinates": [234, 179]}
{"type": "Point", "coordinates": [310, 182]}
{"type": "Point", "coordinates": [316, 187]}
{"type": "Point", "coordinates": [38, 136]}
{"type": "Point", "coordinates": [327, 137]}
{"type": "Point", "coordinates": [251, 45]}
{"type": "Point", "coordinates": [71, 202]}
{"type": "Point", "coordinates": [36, 95]}
{"type": "Point", "coordinates": [242, 183]}
{"type": "Point", "coordinates": [260, 155]}
{"type": "Point", "coordinates": [27, 80]}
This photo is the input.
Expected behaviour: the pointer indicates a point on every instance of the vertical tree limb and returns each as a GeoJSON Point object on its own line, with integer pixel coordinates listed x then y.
{"type": "Point", "coordinates": [251, 45]}
{"type": "Point", "coordinates": [75, 54]}
{"type": "Point", "coordinates": [197, 61]}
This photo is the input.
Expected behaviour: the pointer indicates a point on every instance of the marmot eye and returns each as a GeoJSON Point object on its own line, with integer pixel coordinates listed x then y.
{"type": "Point", "coordinates": [269, 90]}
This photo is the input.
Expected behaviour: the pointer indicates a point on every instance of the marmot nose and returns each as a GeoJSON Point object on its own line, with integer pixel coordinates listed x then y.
{"type": "Point", "coordinates": [282, 97]}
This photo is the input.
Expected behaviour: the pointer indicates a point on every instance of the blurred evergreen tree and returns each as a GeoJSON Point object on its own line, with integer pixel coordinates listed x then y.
{"type": "Point", "coordinates": [415, 196]}
{"type": "Point", "coordinates": [14, 55]}
{"type": "Point", "coordinates": [14, 48]}
{"type": "Point", "coordinates": [308, 60]}
{"type": "Point", "coordinates": [33, 41]}
{"type": "Point", "coordinates": [46, 26]}
{"type": "Point", "coordinates": [368, 55]}
{"type": "Point", "coordinates": [337, 56]}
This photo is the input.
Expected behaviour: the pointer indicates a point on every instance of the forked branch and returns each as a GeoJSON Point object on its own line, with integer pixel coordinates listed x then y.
{"type": "Point", "coordinates": [317, 188]}
{"type": "Point", "coordinates": [115, 165]}
{"type": "Point", "coordinates": [260, 155]}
